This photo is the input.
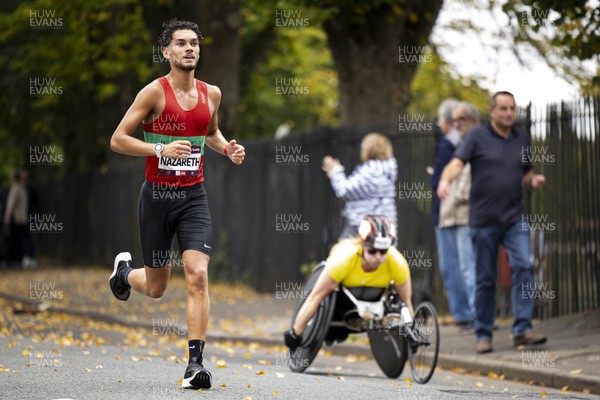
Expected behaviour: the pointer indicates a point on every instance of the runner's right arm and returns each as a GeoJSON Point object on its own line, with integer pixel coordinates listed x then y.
{"type": "Point", "coordinates": [144, 107]}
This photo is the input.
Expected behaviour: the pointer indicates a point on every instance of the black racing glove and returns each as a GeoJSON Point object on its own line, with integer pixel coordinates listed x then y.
{"type": "Point", "coordinates": [291, 340]}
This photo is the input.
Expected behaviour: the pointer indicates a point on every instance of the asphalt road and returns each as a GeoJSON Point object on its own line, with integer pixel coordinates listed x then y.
{"type": "Point", "coordinates": [50, 356]}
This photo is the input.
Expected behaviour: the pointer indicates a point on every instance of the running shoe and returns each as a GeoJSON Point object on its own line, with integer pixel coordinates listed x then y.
{"type": "Point", "coordinates": [119, 287]}
{"type": "Point", "coordinates": [196, 377]}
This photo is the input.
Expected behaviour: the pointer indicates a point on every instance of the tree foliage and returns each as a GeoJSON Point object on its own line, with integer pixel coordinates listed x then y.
{"type": "Point", "coordinates": [343, 60]}
{"type": "Point", "coordinates": [435, 81]}
{"type": "Point", "coordinates": [82, 68]}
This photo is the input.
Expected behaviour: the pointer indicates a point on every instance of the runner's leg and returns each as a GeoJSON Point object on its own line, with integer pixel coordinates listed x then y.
{"type": "Point", "coordinates": [150, 281]}
{"type": "Point", "coordinates": [198, 302]}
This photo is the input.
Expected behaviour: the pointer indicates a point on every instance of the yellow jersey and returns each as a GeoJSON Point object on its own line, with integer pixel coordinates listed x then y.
{"type": "Point", "coordinates": [344, 266]}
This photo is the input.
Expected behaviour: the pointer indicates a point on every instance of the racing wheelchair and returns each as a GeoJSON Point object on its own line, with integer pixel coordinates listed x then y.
{"type": "Point", "coordinates": [393, 334]}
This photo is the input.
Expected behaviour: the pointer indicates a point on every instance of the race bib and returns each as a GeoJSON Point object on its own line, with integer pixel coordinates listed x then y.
{"type": "Point", "coordinates": [188, 166]}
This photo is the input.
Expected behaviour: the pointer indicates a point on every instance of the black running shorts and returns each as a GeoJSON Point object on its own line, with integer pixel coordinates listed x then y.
{"type": "Point", "coordinates": [164, 210]}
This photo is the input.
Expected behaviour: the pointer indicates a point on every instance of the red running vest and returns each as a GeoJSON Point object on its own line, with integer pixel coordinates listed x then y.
{"type": "Point", "coordinates": [175, 123]}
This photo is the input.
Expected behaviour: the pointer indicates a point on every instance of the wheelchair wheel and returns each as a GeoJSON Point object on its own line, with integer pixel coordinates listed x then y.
{"type": "Point", "coordinates": [316, 329]}
{"type": "Point", "coordinates": [423, 353]}
{"type": "Point", "coordinates": [389, 349]}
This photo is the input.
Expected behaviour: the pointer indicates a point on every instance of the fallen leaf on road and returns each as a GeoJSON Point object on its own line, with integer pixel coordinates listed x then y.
{"type": "Point", "coordinates": [341, 378]}
{"type": "Point", "coordinates": [544, 394]}
{"type": "Point", "coordinates": [249, 386]}
{"type": "Point", "coordinates": [575, 372]}
{"type": "Point", "coordinates": [88, 370]}
{"type": "Point", "coordinates": [279, 375]}
{"type": "Point", "coordinates": [261, 372]}
{"type": "Point", "coordinates": [275, 393]}
{"type": "Point", "coordinates": [221, 364]}
{"type": "Point", "coordinates": [223, 385]}
{"type": "Point", "coordinates": [478, 384]}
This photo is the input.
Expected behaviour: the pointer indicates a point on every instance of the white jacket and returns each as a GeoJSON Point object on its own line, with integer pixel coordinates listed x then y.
{"type": "Point", "coordinates": [370, 189]}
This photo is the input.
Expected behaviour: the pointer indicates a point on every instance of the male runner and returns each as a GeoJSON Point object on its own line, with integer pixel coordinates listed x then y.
{"type": "Point", "coordinates": [179, 116]}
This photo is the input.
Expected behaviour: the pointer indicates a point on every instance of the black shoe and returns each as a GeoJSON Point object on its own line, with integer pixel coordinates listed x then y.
{"type": "Point", "coordinates": [196, 377]}
{"type": "Point", "coordinates": [120, 289]}
{"type": "Point", "coordinates": [291, 340]}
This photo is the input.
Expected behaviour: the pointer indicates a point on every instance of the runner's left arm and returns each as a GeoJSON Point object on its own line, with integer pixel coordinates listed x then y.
{"type": "Point", "coordinates": [214, 137]}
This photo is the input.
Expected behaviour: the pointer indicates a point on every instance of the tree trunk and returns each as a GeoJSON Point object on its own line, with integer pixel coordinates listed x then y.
{"type": "Point", "coordinates": [220, 54]}
{"type": "Point", "coordinates": [374, 83]}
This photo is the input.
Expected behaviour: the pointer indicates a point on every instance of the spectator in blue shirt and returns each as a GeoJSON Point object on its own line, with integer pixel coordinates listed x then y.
{"type": "Point", "coordinates": [498, 154]}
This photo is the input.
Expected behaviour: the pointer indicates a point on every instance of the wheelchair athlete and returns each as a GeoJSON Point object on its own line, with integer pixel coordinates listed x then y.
{"type": "Point", "coordinates": [367, 261]}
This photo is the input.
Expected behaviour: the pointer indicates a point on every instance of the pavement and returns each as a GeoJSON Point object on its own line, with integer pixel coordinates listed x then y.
{"type": "Point", "coordinates": [570, 360]}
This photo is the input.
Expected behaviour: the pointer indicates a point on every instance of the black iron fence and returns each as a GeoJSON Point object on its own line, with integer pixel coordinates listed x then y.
{"type": "Point", "coordinates": [277, 214]}
{"type": "Point", "coordinates": [565, 217]}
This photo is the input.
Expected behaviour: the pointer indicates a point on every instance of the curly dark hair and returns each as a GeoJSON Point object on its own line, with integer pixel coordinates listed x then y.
{"type": "Point", "coordinates": [173, 25]}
